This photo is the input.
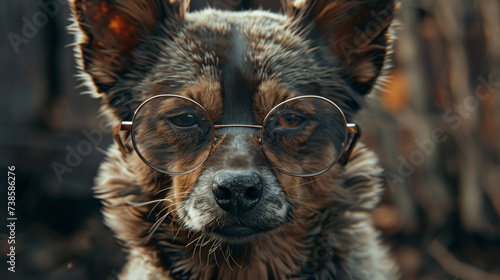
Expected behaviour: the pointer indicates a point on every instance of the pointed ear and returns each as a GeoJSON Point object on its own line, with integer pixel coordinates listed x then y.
{"type": "Point", "coordinates": [107, 31]}
{"type": "Point", "coordinates": [357, 31]}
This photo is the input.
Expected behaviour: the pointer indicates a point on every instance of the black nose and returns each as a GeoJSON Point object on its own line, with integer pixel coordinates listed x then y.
{"type": "Point", "coordinates": [237, 191]}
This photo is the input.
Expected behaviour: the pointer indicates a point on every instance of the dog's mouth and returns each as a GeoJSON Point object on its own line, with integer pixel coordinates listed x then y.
{"type": "Point", "coordinates": [239, 231]}
{"type": "Point", "coordinates": [239, 234]}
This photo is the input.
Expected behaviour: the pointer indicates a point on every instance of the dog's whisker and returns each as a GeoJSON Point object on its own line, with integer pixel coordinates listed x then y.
{"type": "Point", "coordinates": [152, 209]}
{"type": "Point", "coordinates": [296, 197]}
{"type": "Point", "coordinates": [203, 243]}
{"type": "Point", "coordinates": [191, 241]}
{"type": "Point", "coordinates": [300, 184]}
{"type": "Point", "coordinates": [177, 213]}
{"type": "Point", "coordinates": [178, 230]}
{"type": "Point", "coordinates": [199, 249]}
{"type": "Point", "coordinates": [249, 257]}
{"type": "Point", "coordinates": [168, 213]}
{"type": "Point", "coordinates": [164, 216]}
{"type": "Point", "coordinates": [158, 203]}
{"type": "Point", "coordinates": [214, 247]}
{"type": "Point", "coordinates": [226, 258]}
{"type": "Point", "coordinates": [235, 262]}
{"type": "Point", "coordinates": [297, 201]}
{"type": "Point", "coordinates": [170, 206]}
{"type": "Point", "coordinates": [307, 207]}
{"type": "Point", "coordinates": [299, 218]}
{"type": "Point", "coordinates": [208, 255]}
{"type": "Point", "coordinates": [294, 217]}
{"type": "Point", "coordinates": [139, 204]}
{"type": "Point", "coordinates": [176, 195]}
{"type": "Point", "coordinates": [165, 199]}
{"type": "Point", "coordinates": [197, 241]}
{"type": "Point", "coordinates": [212, 241]}
{"type": "Point", "coordinates": [215, 255]}
{"type": "Point", "coordinates": [155, 226]}
{"type": "Point", "coordinates": [160, 191]}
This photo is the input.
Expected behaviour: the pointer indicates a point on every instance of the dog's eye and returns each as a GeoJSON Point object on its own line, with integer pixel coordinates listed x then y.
{"type": "Point", "coordinates": [290, 120]}
{"type": "Point", "coordinates": [184, 120]}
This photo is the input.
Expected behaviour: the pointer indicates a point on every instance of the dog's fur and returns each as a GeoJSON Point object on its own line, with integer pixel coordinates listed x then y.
{"type": "Point", "coordinates": [238, 65]}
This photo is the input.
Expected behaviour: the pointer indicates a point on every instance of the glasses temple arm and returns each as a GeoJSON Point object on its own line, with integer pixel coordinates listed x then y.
{"type": "Point", "coordinates": [355, 133]}
{"type": "Point", "coordinates": [124, 125]}
{"type": "Point", "coordinates": [352, 128]}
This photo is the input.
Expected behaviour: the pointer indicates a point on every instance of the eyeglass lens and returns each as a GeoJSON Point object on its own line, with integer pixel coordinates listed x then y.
{"type": "Point", "coordinates": [172, 134]}
{"type": "Point", "coordinates": [304, 136]}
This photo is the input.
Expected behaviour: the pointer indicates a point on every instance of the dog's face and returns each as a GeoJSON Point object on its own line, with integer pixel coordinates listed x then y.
{"type": "Point", "coordinates": [236, 67]}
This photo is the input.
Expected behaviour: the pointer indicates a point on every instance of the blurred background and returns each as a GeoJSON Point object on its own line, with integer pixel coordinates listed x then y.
{"type": "Point", "coordinates": [436, 129]}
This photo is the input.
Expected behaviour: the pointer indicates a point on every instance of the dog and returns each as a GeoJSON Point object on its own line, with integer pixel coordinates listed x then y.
{"type": "Point", "coordinates": [235, 153]}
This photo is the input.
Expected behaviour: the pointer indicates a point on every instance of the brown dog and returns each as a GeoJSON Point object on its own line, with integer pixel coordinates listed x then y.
{"type": "Point", "coordinates": [235, 155]}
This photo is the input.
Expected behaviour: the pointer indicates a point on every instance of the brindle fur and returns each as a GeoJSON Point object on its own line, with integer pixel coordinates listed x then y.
{"type": "Point", "coordinates": [238, 65]}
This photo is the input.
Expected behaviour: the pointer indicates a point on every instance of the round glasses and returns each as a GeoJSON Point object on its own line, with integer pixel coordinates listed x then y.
{"type": "Point", "coordinates": [303, 136]}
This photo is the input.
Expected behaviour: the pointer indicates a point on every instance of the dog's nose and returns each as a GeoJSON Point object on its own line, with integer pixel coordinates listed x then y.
{"type": "Point", "coordinates": [237, 191]}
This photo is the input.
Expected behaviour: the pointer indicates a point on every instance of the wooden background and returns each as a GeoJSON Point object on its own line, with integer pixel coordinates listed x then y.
{"type": "Point", "coordinates": [436, 129]}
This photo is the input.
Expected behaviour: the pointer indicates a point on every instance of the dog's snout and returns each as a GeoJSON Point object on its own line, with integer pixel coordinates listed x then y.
{"type": "Point", "coordinates": [237, 191]}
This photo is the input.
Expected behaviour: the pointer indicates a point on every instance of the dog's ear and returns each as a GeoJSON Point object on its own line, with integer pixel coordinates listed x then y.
{"type": "Point", "coordinates": [357, 31]}
{"type": "Point", "coordinates": [108, 31]}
